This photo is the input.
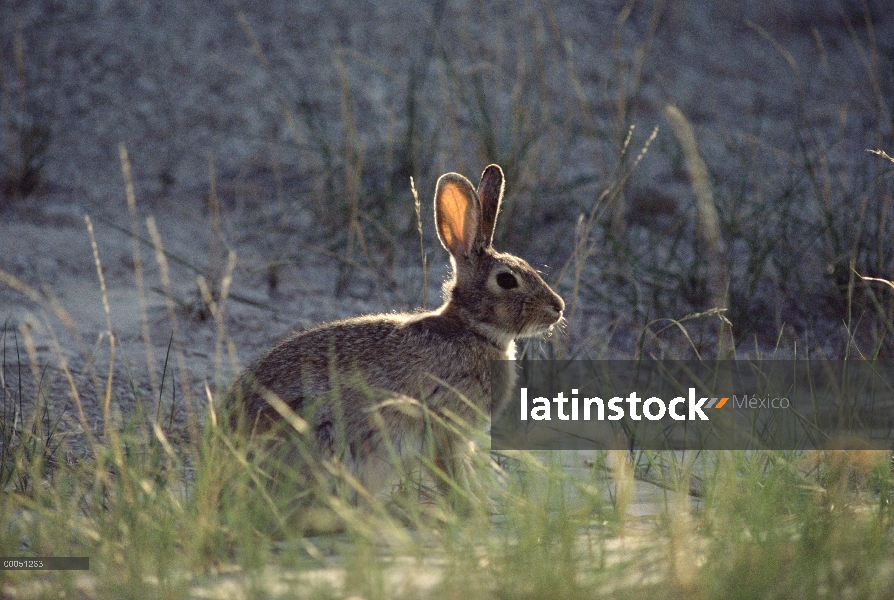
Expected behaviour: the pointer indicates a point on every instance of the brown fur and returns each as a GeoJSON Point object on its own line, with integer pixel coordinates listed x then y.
{"type": "Point", "coordinates": [340, 377]}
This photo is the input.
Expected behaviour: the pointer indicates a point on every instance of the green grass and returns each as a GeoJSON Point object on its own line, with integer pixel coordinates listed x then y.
{"type": "Point", "coordinates": [163, 514]}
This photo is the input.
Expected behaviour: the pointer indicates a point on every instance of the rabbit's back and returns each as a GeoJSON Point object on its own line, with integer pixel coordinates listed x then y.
{"type": "Point", "coordinates": [363, 361]}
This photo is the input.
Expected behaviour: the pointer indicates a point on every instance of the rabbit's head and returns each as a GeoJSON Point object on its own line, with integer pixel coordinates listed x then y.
{"type": "Point", "coordinates": [498, 295]}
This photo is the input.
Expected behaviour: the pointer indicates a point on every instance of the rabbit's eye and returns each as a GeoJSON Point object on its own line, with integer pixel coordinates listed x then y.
{"type": "Point", "coordinates": [507, 281]}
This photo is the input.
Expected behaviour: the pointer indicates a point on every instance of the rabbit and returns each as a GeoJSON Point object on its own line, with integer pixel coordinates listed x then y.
{"type": "Point", "coordinates": [361, 382]}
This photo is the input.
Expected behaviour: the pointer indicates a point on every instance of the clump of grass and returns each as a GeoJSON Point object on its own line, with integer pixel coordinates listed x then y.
{"type": "Point", "coordinates": [29, 438]}
{"type": "Point", "coordinates": [717, 275]}
{"type": "Point", "coordinates": [25, 130]}
{"type": "Point", "coordinates": [164, 515]}
{"type": "Point", "coordinates": [167, 518]}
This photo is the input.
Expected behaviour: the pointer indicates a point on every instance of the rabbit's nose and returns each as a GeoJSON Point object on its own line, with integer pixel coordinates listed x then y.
{"type": "Point", "coordinates": [558, 303]}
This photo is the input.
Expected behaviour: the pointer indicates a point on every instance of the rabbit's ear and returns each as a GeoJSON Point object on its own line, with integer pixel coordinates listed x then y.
{"type": "Point", "coordinates": [490, 192]}
{"type": "Point", "coordinates": [457, 215]}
